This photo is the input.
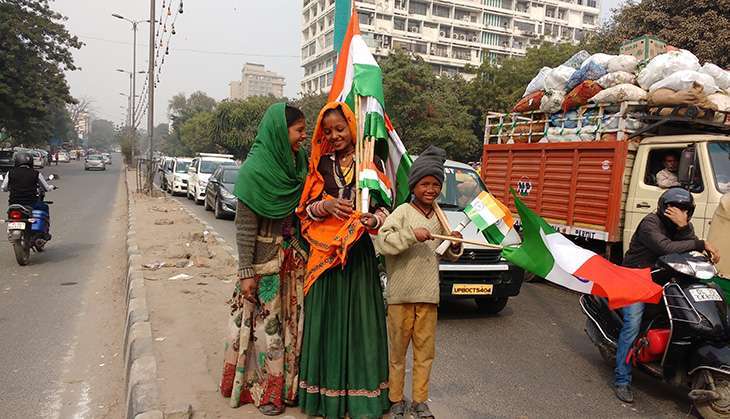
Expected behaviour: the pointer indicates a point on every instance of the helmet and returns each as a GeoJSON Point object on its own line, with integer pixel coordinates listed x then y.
{"type": "Point", "coordinates": [22, 158]}
{"type": "Point", "coordinates": [676, 197]}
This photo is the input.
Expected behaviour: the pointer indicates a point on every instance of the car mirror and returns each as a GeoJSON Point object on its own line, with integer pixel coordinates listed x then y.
{"type": "Point", "coordinates": [687, 165]}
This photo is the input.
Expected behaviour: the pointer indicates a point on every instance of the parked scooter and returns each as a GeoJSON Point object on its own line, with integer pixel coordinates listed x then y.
{"type": "Point", "coordinates": [28, 228]}
{"type": "Point", "coordinates": [684, 340]}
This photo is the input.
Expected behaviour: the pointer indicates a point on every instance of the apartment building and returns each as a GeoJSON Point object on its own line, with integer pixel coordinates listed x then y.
{"type": "Point", "coordinates": [448, 34]}
{"type": "Point", "coordinates": [256, 81]}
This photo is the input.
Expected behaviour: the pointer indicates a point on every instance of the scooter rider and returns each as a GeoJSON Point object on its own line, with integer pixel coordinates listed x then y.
{"type": "Point", "coordinates": [666, 231]}
{"type": "Point", "coordinates": [24, 183]}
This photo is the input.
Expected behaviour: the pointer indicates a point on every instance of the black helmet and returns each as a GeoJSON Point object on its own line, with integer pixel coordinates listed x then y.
{"type": "Point", "coordinates": [679, 198]}
{"type": "Point", "coordinates": [22, 158]}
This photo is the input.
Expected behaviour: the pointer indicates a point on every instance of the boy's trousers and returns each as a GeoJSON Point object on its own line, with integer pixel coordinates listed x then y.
{"type": "Point", "coordinates": [411, 322]}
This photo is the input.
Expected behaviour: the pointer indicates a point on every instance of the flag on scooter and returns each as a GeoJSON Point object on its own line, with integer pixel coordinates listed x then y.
{"type": "Point", "coordinates": [493, 219]}
{"type": "Point", "coordinates": [550, 255]}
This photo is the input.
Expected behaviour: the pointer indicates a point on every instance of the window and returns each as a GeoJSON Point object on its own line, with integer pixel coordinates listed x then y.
{"type": "Point", "coordinates": [460, 187]}
{"type": "Point", "coordinates": [656, 163]}
{"type": "Point", "coordinates": [720, 159]}
{"type": "Point", "coordinates": [589, 19]}
{"type": "Point", "coordinates": [399, 24]}
{"type": "Point", "coordinates": [441, 11]}
{"type": "Point", "coordinates": [182, 166]}
{"type": "Point", "coordinates": [418, 8]}
{"type": "Point", "coordinates": [366, 18]}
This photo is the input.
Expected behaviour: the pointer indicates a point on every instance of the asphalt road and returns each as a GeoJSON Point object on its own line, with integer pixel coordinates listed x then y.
{"type": "Point", "coordinates": [60, 316]}
{"type": "Point", "coordinates": [533, 360]}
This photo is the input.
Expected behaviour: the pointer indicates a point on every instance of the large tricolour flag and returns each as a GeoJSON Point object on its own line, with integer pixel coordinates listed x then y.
{"type": "Point", "coordinates": [358, 74]}
{"type": "Point", "coordinates": [550, 255]}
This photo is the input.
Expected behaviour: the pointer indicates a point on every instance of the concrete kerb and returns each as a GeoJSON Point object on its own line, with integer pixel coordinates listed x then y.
{"type": "Point", "coordinates": [140, 365]}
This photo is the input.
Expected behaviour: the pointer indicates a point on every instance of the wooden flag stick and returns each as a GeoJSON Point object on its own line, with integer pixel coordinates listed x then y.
{"type": "Point", "coordinates": [442, 217]}
{"type": "Point", "coordinates": [456, 239]}
{"type": "Point", "coordinates": [358, 150]}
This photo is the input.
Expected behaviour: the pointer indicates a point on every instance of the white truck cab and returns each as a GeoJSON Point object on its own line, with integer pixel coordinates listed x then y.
{"type": "Point", "coordinates": [199, 171]}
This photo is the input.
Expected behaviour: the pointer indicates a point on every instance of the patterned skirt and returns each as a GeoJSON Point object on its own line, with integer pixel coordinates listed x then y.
{"type": "Point", "coordinates": [344, 361]}
{"type": "Point", "coordinates": [261, 357]}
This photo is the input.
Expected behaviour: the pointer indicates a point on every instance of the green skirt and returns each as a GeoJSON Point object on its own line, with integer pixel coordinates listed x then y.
{"type": "Point", "coordinates": [344, 358]}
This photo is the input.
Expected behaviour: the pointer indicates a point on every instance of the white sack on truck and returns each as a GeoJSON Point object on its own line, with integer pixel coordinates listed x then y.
{"type": "Point", "coordinates": [558, 77]}
{"type": "Point", "coordinates": [621, 93]}
{"type": "Point", "coordinates": [537, 83]}
{"type": "Point", "coordinates": [722, 77]}
{"type": "Point", "coordinates": [552, 101]}
{"type": "Point", "coordinates": [664, 65]}
{"type": "Point", "coordinates": [685, 79]}
{"type": "Point", "coordinates": [625, 63]}
{"type": "Point", "coordinates": [616, 78]}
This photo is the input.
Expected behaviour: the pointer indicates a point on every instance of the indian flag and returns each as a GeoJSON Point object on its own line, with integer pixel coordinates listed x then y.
{"type": "Point", "coordinates": [550, 255]}
{"type": "Point", "coordinates": [358, 74]}
{"type": "Point", "coordinates": [493, 219]}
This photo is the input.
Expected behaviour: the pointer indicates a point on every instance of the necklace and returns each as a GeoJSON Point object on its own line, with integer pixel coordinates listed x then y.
{"type": "Point", "coordinates": [426, 213]}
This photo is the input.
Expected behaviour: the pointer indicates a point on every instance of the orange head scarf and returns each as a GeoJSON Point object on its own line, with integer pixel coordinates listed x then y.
{"type": "Point", "coordinates": [330, 238]}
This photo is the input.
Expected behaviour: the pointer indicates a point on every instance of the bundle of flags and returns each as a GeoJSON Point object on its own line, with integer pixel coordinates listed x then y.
{"type": "Point", "coordinates": [358, 75]}
{"type": "Point", "coordinates": [550, 255]}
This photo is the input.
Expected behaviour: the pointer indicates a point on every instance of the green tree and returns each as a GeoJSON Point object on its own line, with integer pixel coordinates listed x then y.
{"type": "Point", "coordinates": [310, 105]}
{"type": "Point", "coordinates": [235, 123]}
{"type": "Point", "coordinates": [36, 51]}
{"type": "Point", "coordinates": [181, 108]}
{"type": "Point", "coordinates": [103, 134]}
{"type": "Point", "coordinates": [195, 133]}
{"type": "Point", "coordinates": [700, 26]}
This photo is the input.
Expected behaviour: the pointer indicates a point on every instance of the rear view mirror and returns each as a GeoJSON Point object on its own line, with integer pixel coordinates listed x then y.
{"type": "Point", "coordinates": [687, 166]}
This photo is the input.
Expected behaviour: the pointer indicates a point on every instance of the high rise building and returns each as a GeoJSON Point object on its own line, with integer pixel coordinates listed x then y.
{"type": "Point", "coordinates": [82, 125]}
{"type": "Point", "coordinates": [257, 81]}
{"type": "Point", "coordinates": [448, 34]}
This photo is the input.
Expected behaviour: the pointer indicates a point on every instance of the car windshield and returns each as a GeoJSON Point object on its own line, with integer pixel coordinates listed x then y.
{"type": "Point", "coordinates": [229, 176]}
{"type": "Point", "coordinates": [460, 187]}
{"type": "Point", "coordinates": [94, 157]}
{"type": "Point", "coordinates": [208, 166]}
{"type": "Point", "coordinates": [182, 167]}
{"type": "Point", "coordinates": [720, 157]}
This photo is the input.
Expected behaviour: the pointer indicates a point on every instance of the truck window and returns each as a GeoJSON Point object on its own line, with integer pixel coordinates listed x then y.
{"type": "Point", "coordinates": [460, 187]}
{"type": "Point", "coordinates": [720, 158]}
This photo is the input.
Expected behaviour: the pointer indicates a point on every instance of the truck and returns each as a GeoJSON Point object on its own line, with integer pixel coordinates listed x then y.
{"type": "Point", "coordinates": [596, 191]}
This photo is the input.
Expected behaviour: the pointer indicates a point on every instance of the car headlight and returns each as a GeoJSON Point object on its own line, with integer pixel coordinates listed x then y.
{"type": "Point", "coordinates": [226, 195]}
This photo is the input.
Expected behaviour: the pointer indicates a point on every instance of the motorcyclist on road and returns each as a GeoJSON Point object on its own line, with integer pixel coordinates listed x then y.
{"type": "Point", "coordinates": [666, 231]}
{"type": "Point", "coordinates": [25, 183]}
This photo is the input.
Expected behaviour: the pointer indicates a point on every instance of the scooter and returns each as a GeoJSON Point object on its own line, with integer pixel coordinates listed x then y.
{"type": "Point", "coordinates": [684, 340]}
{"type": "Point", "coordinates": [28, 228]}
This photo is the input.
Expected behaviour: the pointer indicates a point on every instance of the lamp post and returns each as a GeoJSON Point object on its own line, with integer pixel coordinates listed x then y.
{"type": "Point", "coordinates": [132, 76]}
{"type": "Point", "coordinates": [134, 52]}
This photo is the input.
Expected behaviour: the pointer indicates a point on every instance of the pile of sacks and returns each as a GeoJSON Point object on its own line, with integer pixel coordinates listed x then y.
{"type": "Point", "coordinates": [670, 79]}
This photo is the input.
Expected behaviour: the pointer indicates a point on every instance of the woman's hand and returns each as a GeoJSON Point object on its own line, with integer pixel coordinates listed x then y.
{"type": "Point", "coordinates": [369, 220]}
{"type": "Point", "coordinates": [422, 234]}
{"type": "Point", "coordinates": [338, 208]}
{"type": "Point", "coordinates": [712, 252]}
{"type": "Point", "coordinates": [248, 289]}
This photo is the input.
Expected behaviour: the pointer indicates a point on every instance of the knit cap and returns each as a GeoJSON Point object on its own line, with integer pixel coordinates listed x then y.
{"type": "Point", "coordinates": [428, 163]}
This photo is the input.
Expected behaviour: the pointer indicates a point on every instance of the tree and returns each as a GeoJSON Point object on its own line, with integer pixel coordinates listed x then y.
{"type": "Point", "coordinates": [36, 50]}
{"type": "Point", "coordinates": [310, 105]}
{"type": "Point", "coordinates": [181, 109]}
{"type": "Point", "coordinates": [700, 26]}
{"type": "Point", "coordinates": [102, 135]}
{"type": "Point", "coordinates": [235, 123]}
{"type": "Point", "coordinates": [195, 133]}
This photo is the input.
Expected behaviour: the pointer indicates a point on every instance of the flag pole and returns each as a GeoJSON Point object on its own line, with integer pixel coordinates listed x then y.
{"type": "Point", "coordinates": [358, 151]}
{"type": "Point", "coordinates": [456, 239]}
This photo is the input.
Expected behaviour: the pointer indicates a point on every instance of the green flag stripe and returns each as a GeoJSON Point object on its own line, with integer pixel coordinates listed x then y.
{"type": "Point", "coordinates": [533, 255]}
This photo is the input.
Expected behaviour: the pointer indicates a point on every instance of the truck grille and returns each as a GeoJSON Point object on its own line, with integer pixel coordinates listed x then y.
{"type": "Point", "coordinates": [478, 256]}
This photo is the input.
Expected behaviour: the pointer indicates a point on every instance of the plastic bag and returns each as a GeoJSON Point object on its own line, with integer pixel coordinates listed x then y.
{"type": "Point", "coordinates": [580, 95]}
{"type": "Point", "coordinates": [558, 77]}
{"type": "Point", "coordinates": [577, 59]}
{"type": "Point", "coordinates": [722, 77]}
{"type": "Point", "coordinates": [683, 80]}
{"type": "Point", "coordinates": [721, 100]}
{"type": "Point", "coordinates": [616, 78]}
{"type": "Point", "coordinates": [600, 59]}
{"type": "Point", "coordinates": [589, 71]}
{"type": "Point", "coordinates": [620, 93]}
{"type": "Point", "coordinates": [529, 103]}
{"type": "Point", "coordinates": [625, 63]}
{"type": "Point", "coordinates": [538, 82]}
{"type": "Point", "coordinates": [551, 101]}
{"type": "Point", "coordinates": [664, 65]}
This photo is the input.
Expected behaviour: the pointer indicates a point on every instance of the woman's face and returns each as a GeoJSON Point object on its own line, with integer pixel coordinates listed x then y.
{"type": "Point", "coordinates": [336, 131]}
{"type": "Point", "coordinates": [297, 134]}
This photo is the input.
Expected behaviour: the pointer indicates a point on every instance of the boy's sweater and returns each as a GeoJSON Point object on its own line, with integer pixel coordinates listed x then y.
{"type": "Point", "coordinates": [413, 267]}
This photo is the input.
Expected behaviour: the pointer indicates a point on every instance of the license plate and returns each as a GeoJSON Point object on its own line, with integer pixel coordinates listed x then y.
{"type": "Point", "coordinates": [705, 294]}
{"type": "Point", "coordinates": [16, 226]}
{"type": "Point", "coordinates": [471, 289]}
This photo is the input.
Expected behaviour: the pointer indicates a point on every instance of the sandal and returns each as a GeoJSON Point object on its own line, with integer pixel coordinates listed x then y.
{"type": "Point", "coordinates": [422, 411]}
{"type": "Point", "coordinates": [271, 410]}
{"type": "Point", "coordinates": [399, 410]}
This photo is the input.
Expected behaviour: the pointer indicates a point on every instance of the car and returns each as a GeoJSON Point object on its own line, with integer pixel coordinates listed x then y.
{"type": "Point", "coordinates": [63, 157]}
{"type": "Point", "coordinates": [38, 161]}
{"type": "Point", "coordinates": [6, 160]}
{"type": "Point", "coordinates": [219, 196]}
{"type": "Point", "coordinates": [73, 154]}
{"type": "Point", "coordinates": [200, 170]}
{"type": "Point", "coordinates": [94, 162]}
{"type": "Point", "coordinates": [107, 158]}
{"type": "Point", "coordinates": [176, 178]}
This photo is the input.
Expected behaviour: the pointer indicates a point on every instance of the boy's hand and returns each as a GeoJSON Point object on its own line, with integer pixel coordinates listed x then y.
{"type": "Point", "coordinates": [369, 220]}
{"type": "Point", "coordinates": [456, 245]}
{"type": "Point", "coordinates": [422, 234]}
{"type": "Point", "coordinates": [677, 216]}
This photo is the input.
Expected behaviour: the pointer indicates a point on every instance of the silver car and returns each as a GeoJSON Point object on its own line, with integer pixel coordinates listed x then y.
{"type": "Point", "coordinates": [94, 162]}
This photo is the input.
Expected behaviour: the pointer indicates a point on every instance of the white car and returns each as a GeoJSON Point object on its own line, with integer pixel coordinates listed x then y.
{"type": "Point", "coordinates": [200, 170]}
{"type": "Point", "coordinates": [176, 178]}
{"type": "Point", "coordinates": [39, 161]}
{"type": "Point", "coordinates": [63, 157]}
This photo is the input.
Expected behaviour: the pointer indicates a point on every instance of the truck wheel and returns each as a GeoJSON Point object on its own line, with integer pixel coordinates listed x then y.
{"type": "Point", "coordinates": [713, 409]}
{"type": "Point", "coordinates": [491, 305]}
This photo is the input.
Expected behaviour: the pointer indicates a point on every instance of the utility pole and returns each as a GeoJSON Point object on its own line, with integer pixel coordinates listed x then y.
{"type": "Point", "coordinates": [151, 98]}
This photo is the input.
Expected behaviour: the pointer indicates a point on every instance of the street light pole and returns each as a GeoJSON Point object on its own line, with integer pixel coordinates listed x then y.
{"type": "Point", "coordinates": [151, 98]}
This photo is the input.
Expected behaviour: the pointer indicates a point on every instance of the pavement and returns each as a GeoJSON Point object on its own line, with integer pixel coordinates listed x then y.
{"type": "Point", "coordinates": [61, 317]}
{"type": "Point", "coordinates": [533, 360]}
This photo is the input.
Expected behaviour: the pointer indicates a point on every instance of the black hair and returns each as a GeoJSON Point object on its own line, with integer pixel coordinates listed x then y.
{"type": "Point", "coordinates": [338, 109]}
{"type": "Point", "coordinates": [293, 115]}
{"type": "Point", "coordinates": [670, 153]}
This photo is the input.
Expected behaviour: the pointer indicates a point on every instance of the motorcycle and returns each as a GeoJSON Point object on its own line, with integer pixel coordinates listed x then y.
{"type": "Point", "coordinates": [28, 228]}
{"type": "Point", "coordinates": [684, 340]}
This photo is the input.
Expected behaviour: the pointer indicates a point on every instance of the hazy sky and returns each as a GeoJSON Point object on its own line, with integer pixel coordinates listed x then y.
{"type": "Point", "coordinates": [214, 38]}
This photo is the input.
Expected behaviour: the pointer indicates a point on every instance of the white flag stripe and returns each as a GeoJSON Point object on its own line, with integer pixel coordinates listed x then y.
{"type": "Point", "coordinates": [566, 253]}
{"type": "Point", "coordinates": [558, 275]}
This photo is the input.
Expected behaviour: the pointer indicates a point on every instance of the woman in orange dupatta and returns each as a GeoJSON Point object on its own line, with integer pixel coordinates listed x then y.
{"type": "Point", "coordinates": [344, 359]}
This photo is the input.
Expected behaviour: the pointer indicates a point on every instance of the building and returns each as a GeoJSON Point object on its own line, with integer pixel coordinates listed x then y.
{"type": "Point", "coordinates": [448, 34]}
{"type": "Point", "coordinates": [82, 125]}
{"type": "Point", "coordinates": [256, 80]}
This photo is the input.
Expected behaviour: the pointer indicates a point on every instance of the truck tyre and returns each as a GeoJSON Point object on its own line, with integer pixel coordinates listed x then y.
{"type": "Point", "coordinates": [491, 305]}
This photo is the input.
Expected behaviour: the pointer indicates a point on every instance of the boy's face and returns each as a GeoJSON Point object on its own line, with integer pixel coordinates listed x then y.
{"type": "Point", "coordinates": [427, 190]}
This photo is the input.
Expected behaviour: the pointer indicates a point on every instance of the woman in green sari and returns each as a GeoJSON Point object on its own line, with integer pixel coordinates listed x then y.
{"type": "Point", "coordinates": [261, 361]}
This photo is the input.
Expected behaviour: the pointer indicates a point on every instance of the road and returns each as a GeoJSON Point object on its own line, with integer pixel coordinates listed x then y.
{"type": "Point", "coordinates": [61, 317]}
{"type": "Point", "coordinates": [532, 360]}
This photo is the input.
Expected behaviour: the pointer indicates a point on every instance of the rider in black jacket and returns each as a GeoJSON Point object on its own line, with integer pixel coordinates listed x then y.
{"type": "Point", "coordinates": [24, 183]}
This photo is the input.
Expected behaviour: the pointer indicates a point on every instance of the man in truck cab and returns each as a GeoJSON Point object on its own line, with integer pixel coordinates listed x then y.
{"type": "Point", "coordinates": [667, 177]}
{"type": "Point", "coordinates": [666, 231]}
